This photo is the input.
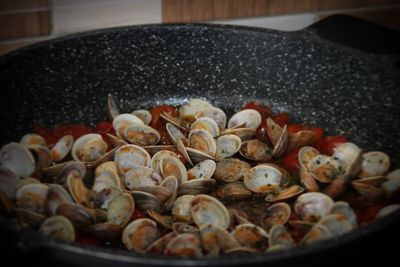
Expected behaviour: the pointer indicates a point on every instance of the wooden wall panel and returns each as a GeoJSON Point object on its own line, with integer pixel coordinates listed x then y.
{"type": "Point", "coordinates": [25, 24]}
{"type": "Point", "coordinates": [12, 5]}
{"type": "Point", "coordinates": [201, 10]}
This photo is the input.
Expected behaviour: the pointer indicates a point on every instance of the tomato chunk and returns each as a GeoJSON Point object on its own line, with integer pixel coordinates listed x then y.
{"type": "Point", "coordinates": [327, 144]}
{"type": "Point", "coordinates": [281, 118]}
{"type": "Point", "coordinates": [159, 124]}
{"type": "Point", "coordinates": [291, 160]}
{"type": "Point", "coordinates": [265, 111]}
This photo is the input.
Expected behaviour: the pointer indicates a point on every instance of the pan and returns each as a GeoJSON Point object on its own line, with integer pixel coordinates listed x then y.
{"type": "Point", "coordinates": [67, 80]}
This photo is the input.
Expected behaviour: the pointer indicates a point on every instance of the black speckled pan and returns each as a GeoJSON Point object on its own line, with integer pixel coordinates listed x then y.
{"type": "Point", "coordinates": [66, 81]}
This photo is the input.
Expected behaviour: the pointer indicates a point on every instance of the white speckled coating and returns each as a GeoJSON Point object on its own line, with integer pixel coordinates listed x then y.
{"type": "Point", "coordinates": [67, 80]}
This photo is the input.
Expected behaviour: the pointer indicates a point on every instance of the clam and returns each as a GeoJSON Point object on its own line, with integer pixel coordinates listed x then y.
{"type": "Point", "coordinates": [281, 144]}
{"type": "Point", "coordinates": [172, 184]}
{"type": "Point", "coordinates": [182, 149]}
{"type": "Point", "coordinates": [41, 154]}
{"type": "Point", "coordinates": [121, 209]}
{"type": "Point", "coordinates": [161, 192]}
{"type": "Point", "coordinates": [226, 241]}
{"type": "Point", "coordinates": [173, 166]}
{"type": "Point", "coordinates": [140, 134]}
{"type": "Point", "coordinates": [337, 224]}
{"type": "Point", "coordinates": [209, 240]}
{"type": "Point", "coordinates": [152, 150]}
{"type": "Point", "coordinates": [104, 197]}
{"type": "Point", "coordinates": [247, 118]}
{"type": "Point", "coordinates": [255, 150]}
{"type": "Point", "coordinates": [197, 155]}
{"type": "Point", "coordinates": [233, 191]}
{"type": "Point", "coordinates": [206, 210]}
{"type": "Point", "coordinates": [164, 221]}
{"type": "Point", "coordinates": [324, 168]}
{"type": "Point", "coordinates": [306, 154]}
{"type": "Point", "coordinates": [284, 194]}
{"type": "Point", "coordinates": [62, 148]}
{"type": "Point", "coordinates": [31, 218]}
{"type": "Point", "coordinates": [369, 191]}
{"type": "Point", "coordinates": [79, 216]}
{"type": "Point", "coordinates": [203, 141]}
{"type": "Point", "coordinates": [313, 206]}
{"type": "Point", "coordinates": [174, 134]}
{"type": "Point", "coordinates": [374, 164]}
{"type": "Point", "coordinates": [178, 122]}
{"type": "Point", "coordinates": [158, 157]}
{"type": "Point", "coordinates": [131, 156]}
{"type": "Point", "coordinates": [182, 227]}
{"type": "Point", "coordinates": [231, 169]}
{"type": "Point", "coordinates": [140, 234]}
{"type": "Point", "coordinates": [112, 108]}
{"type": "Point", "coordinates": [188, 111]}
{"type": "Point", "coordinates": [203, 170]}
{"type": "Point", "coordinates": [207, 124]}
{"type": "Point", "coordinates": [276, 214]}
{"type": "Point", "coordinates": [115, 140]}
{"type": "Point", "coordinates": [279, 236]}
{"type": "Point", "coordinates": [274, 131]}
{"type": "Point", "coordinates": [262, 179]}
{"type": "Point", "coordinates": [196, 186]}
{"type": "Point", "coordinates": [316, 233]}
{"type": "Point", "coordinates": [106, 166]}
{"type": "Point", "coordinates": [300, 139]}
{"type": "Point", "coordinates": [181, 209]}
{"type": "Point", "coordinates": [89, 148]}
{"type": "Point", "coordinates": [243, 133]}
{"type": "Point", "coordinates": [227, 146]}
{"type": "Point", "coordinates": [25, 181]}
{"type": "Point", "coordinates": [106, 179]}
{"type": "Point", "coordinates": [58, 227]}
{"type": "Point", "coordinates": [32, 139]}
{"type": "Point", "coordinates": [75, 168]}
{"type": "Point", "coordinates": [217, 114]}
{"type": "Point", "coordinates": [146, 201]}
{"type": "Point", "coordinates": [56, 196]}
{"type": "Point", "coordinates": [251, 236]}
{"type": "Point", "coordinates": [160, 244]}
{"type": "Point", "coordinates": [184, 245]}
{"type": "Point", "coordinates": [105, 231]}
{"type": "Point", "coordinates": [17, 158]}
{"type": "Point", "coordinates": [8, 182]}
{"type": "Point", "coordinates": [144, 115]}
{"type": "Point", "coordinates": [388, 210]}
{"type": "Point", "coordinates": [343, 208]}
{"type": "Point", "coordinates": [123, 121]}
{"type": "Point", "coordinates": [32, 197]}
{"type": "Point", "coordinates": [392, 185]}
{"type": "Point", "coordinates": [141, 176]}
{"type": "Point", "coordinates": [346, 153]}
{"type": "Point", "coordinates": [79, 192]}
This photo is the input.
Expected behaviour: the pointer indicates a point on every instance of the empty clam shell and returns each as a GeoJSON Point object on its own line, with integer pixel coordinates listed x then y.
{"type": "Point", "coordinates": [262, 179]}
{"type": "Point", "coordinates": [249, 118]}
{"type": "Point", "coordinates": [131, 156]}
{"type": "Point", "coordinates": [279, 236]}
{"type": "Point", "coordinates": [17, 158]}
{"type": "Point", "coordinates": [158, 157]}
{"type": "Point", "coordinates": [176, 121]}
{"type": "Point", "coordinates": [307, 179]}
{"type": "Point", "coordinates": [140, 234]}
{"type": "Point", "coordinates": [281, 144]}
{"type": "Point", "coordinates": [313, 206]}
{"type": "Point", "coordinates": [58, 227]}
{"type": "Point", "coordinates": [227, 146]}
{"type": "Point", "coordinates": [208, 210]}
{"type": "Point", "coordinates": [374, 164]}
{"type": "Point", "coordinates": [197, 155]}
{"type": "Point", "coordinates": [231, 169]}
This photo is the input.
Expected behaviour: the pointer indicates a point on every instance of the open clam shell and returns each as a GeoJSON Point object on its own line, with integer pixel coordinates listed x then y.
{"type": "Point", "coordinates": [316, 233]}
{"type": "Point", "coordinates": [231, 169]}
{"type": "Point", "coordinates": [196, 186]}
{"type": "Point", "coordinates": [171, 166]}
{"type": "Point", "coordinates": [337, 224]}
{"type": "Point", "coordinates": [276, 214]}
{"type": "Point", "coordinates": [164, 221]}
{"type": "Point", "coordinates": [203, 141]}
{"type": "Point", "coordinates": [279, 236]}
{"type": "Point", "coordinates": [140, 234]}
{"type": "Point", "coordinates": [121, 209]}
{"type": "Point", "coordinates": [251, 236]}
{"type": "Point", "coordinates": [89, 148]}
{"type": "Point", "coordinates": [122, 121]}
{"type": "Point", "coordinates": [233, 191]}
{"type": "Point", "coordinates": [325, 169]}
{"type": "Point", "coordinates": [32, 139]}
{"type": "Point", "coordinates": [32, 197]}
{"type": "Point", "coordinates": [227, 146]}
{"type": "Point", "coordinates": [62, 148]}
{"type": "Point", "coordinates": [207, 124]}
{"type": "Point", "coordinates": [56, 196]}
{"type": "Point", "coordinates": [17, 158]}
{"type": "Point", "coordinates": [142, 135]}
{"type": "Point", "coordinates": [217, 114]}
{"type": "Point", "coordinates": [146, 201]}
{"type": "Point", "coordinates": [195, 105]}
{"type": "Point", "coordinates": [208, 210]}
{"type": "Point", "coordinates": [392, 185]}
{"type": "Point", "coordinates": [374, 163]}
{"type": "Point", "coordinates": [313, 206]}
{"type": "Point", "coordinates": [274, 131]}
{"type": "Point", "coordinates": [158, 157]}
{"type": "Point", "coordinates": [184, 245]}
{"type": "Point", "coordinates": [181, 209]}
{"type": "Point", "coordinates": [249, 118]}
{"type": "Point", "coordinates": [131, 156]}
{"type": "Point", "coordinates": [255, 150]}
{"type": "Point", "coordinates": [58, 227]}
{"type": "Point", "coordinates": [172, 184]}
{"type": "Point", "coordinates": [203, 170]}
{"type": "Point", "coordinates": [306, 154]}
{"type": "Point", "coordinates": [79, 192]}
{"type": "Point", "coordinates": [341, 207]}
{"type": "Point", "coordinates": [141, 176]}
{"type": "Point", "coordinates": [262, 179]}
{"type": "Point", "coordinates": [144, 115]}
{"type": "Point", "coordinates": [197, 155]}
{"type": "Point", "coordinates": [300, 139]}
{"type": "Point", "coordinates": [174, 134]}
{"type": "Point", "coordinates": [106, 179]}
{"type": "Point", "coordinates": [160, 244]}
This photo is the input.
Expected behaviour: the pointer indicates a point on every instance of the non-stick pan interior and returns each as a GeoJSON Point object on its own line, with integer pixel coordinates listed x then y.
{"type": "Point", "coordinates": [66, 81]}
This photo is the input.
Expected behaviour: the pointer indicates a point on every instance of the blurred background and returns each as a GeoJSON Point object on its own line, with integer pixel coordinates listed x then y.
{"type": "Point", "coordinates": [23, 22]}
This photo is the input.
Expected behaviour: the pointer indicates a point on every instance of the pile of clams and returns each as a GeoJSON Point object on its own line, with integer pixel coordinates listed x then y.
{"type": "Point", "coordinates": [216, 189]}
